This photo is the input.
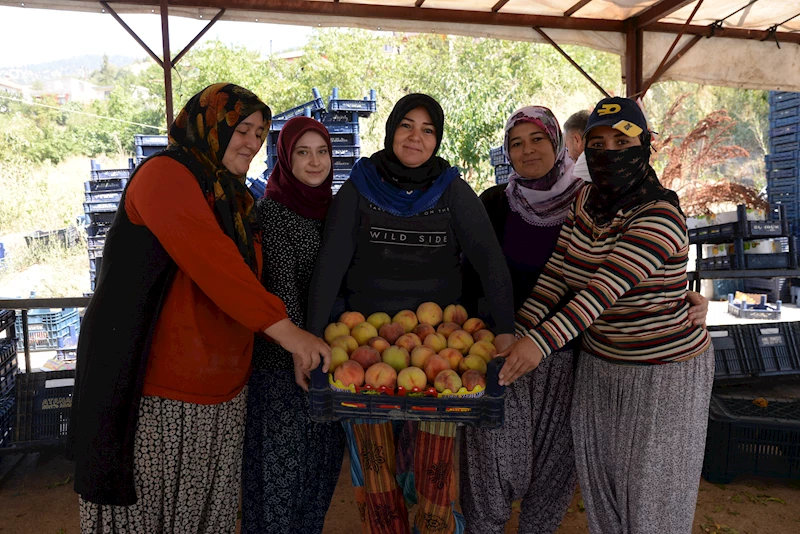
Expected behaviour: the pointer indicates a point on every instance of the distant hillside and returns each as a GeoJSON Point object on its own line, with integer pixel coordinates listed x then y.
{"type": "Point", "coordinates": [78, 66]}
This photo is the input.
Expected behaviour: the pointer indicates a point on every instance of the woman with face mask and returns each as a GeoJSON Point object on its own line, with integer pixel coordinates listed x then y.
{"type": "Point", "coordinates": [645, 371]}
{"type": "Point", "coordinates": [165, 351]}
{"type": "Point", "coordinates": [393, 240]}
{"type": "Point", "coordinates": [291, 464]}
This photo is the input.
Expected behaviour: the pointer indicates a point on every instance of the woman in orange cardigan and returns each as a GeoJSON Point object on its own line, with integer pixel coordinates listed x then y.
{"type": "Point", "coordinates": [165, 350]}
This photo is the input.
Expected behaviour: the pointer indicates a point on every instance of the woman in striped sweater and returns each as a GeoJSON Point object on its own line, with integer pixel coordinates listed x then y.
{"type": "Point", "coordinates": [645, 373]}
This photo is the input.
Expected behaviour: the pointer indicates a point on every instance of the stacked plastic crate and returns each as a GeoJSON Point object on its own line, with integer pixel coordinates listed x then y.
{"type": "Point", "coordinates": [8, 372]}
{"type": "Point", "coordinates": [340, 118]}
{"type": "Point", "coordinates": [103, 193]}
{"type": "Point", "coordinates": [783, 160]}
{"type": "Point", "coordinates": [147, 145]}
{"type": "Point", "coordinates": [502, 167]}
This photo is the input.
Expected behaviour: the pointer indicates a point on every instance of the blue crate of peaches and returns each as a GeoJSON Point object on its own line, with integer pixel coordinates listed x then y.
{"type": "Point", "coordinates": [435, 364]}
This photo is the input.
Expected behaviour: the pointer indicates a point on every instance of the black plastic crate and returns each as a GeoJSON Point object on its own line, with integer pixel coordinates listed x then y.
{"type": "Point", "coordinates": [339, 117]}
{"type": "Point", "coordinates": [100, 207]}
{"type": "Point", "coordinates": [343, 163]}
{"type": "Point", "coordinates": [335, 128]}
{"type": "Point", "coordinates": [97, 230]}
{"type": "Point", "coordinates": [784, 143]}
{"type": "Point", "coordinates": [114, 184]}
{"type": "Point", "coordinates": [101, 217]}
{"type": "Point", "coordinates": [150, 140]}
{"type": "Point", "coordinates": [780, 260]}
{"type": "Point", "coordinates": [7, 403]}
{"type": "Point", "coordinates": [147, 151]}
{"type": "Point", "coordinates": [317, 104]}
{"type": "Point", "coordinates": [730, 354]}
{"type": "Point", "coordinates": [744, 439]}
{"type": "Point", "coordinates": [364, 107]}
{"type": "Point", "coordinates": [774, 348]}
{"type": "Point", "coordinates": [104, 196]}
{"type": "Point", "coordinates": [486, 411]}
{"type": "Point", "coordinates": [341, 176]}
{"type": "Point", "coordinates": [110, 174]}
{"type": "Point", "coordinates": [7, 319]}
{"type": "Point", "coordinates": [776, 130]}
{"type": "Point", "coordinates": [44, 400]}
{"type": "Point", "coordinates": [765, 286]}
{"type": "Point", "coordinates": [338, 139]}
{"type": "Point", "coordinates": [782, 156]}
{"type": "Point", "coordinates": [346, 152]}
{"type": "Point", "coordinates": [8, 374]}
{"type": "Point", "coordinates": [8, 350]}
{"type": "Point", "coordinates": [497, 156]}
{"type": "Point", "coordinates": [777, 225]}
{"type": "Point", "coordinates": [66, 237]}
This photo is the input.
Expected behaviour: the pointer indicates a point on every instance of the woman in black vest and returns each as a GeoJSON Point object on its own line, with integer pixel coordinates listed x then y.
{"type": "Point", "coordinates": [393, 239]}
{"type": "Point", "coordinates": [165, 350]}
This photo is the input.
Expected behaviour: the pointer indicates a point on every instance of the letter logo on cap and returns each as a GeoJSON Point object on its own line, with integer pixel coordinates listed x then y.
{"type": "Point", "coordinates": [609, 109]}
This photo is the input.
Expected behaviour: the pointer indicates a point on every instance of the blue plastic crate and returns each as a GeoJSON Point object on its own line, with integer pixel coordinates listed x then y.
{"type": "Point", "coordinates": [784, 143]}
{"type": "Point", "coordinates": [784, 121]}
{"type": "Point", "coordinates": [789, 102]}
{"type": "Point", "coordinates": [115, 184]}
{"type": "Point", "coordinates": [343, 162]}
{"type": "Point", "coordinates": [782, 156]}
{"type": "Point", "coordinates": [97, 230]}
{"type": "Point", "coordinates": [341, 176]}
{"type": "Point", "coordinates": [501, 173]}
{"type": "Point", "coordinates": [101, 217]}
{"type": "Point", "coordinates": [776, 97]}
{"type": "Point", "coordinates": [147, 151]}
{"type": "Point", "coordinates": [150, 140]}
{"type": "Point", "coordinates": [788, 111]}
{"type": "Point", "coordinates": [777, 164]}
{"type": "Point", "coordinates": [346, 152]}
{"type": "Point", "coordinates": [7, 417]}
{"type": "Point", "coordinates": [47, 326]}
{"type": "Point", "coordinates": [104, 196]}
{"type": "Point", "coordinates": [110, 174]}
{"type": "Point", "coordinates": [783, 130]}
{"type": "Point", "coordinates": [258, 186]}
{"type": "Point", "coordinates": [44, 402]}
{"type": "Point", "coordinates": [497, 156]}
{"type": "Point", "coordinates": [364, 107]}
{"type": "Point", "coordinates": [335, 128]}
{"type": "Point", "coordinates": [307, 109]}
{"type": "Point", "coordinates": [339, 117]}
{"type": "Point", "coordinates": [791, 172]}
{"type": "Point", "coordinates": [94, 207]}
{"type": "Point", "coordinates": [345, 139]}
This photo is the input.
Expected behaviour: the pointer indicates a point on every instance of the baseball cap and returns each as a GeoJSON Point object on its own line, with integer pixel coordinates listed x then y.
{"type": "Point", "coordinates": [622, 114]}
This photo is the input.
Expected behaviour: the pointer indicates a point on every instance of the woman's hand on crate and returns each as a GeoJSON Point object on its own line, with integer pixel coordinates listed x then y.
{"type": "Point", "coordinates": [522, 357]}
{"type": "Point", "coordinates": [301, 376]}
{"type": "Point", "coordinates": [308, 348]}
{"type": "Point", "coordinates": [504, 341]}
{"type": "Point", "coordinates": [698, 308]}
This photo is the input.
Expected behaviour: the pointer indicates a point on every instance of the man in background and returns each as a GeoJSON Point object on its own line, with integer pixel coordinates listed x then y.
{"type": "Point", "coordinates": [573, 135]}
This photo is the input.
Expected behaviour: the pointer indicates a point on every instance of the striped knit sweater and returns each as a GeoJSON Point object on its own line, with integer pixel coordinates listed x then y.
{"type": "Point", "coordinates": [630, 283]}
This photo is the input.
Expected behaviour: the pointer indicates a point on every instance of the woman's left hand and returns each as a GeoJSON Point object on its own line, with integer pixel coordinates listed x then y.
{"type": "Point", "coordinates": [699, 308]}
{"type": "Point", "coordinates": [503, 341]}
{"type": "Point", "coordinates": [522, 357]}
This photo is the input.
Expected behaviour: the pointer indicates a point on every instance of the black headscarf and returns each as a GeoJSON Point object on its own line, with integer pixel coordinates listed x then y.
{"type": "Point", "coordinates": [389, 165]}
{"type": "Point", "coordinates": [622, 179]}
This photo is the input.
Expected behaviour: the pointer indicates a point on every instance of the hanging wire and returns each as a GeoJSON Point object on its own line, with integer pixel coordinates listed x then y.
{"type": "Point", "coordinates": [65, 110]}
{"type": "Point", "coordinates": [717, 25]}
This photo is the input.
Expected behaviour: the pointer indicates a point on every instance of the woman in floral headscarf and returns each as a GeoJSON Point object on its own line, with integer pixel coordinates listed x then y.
{"type": "Point", "coordinates": [531, 457]}
{"type": "Point", "coordinates": [166, 345]}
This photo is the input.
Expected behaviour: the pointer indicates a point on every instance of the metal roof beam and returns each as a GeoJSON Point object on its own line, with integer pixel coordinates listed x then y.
{"type": "Point", "coordinates": [658, 11]}
{"type": "Point", "coordinates": [571, 11]}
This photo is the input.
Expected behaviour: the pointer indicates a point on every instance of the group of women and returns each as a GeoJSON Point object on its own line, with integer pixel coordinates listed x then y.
{"type": "Point", "coordinates": [197, 345]}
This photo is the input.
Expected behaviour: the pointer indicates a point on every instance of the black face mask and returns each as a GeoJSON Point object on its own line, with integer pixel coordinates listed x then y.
{"type": "Point", "coordinates": [622, 179]}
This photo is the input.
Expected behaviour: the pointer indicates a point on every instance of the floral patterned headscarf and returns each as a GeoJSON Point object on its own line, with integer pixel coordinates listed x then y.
{"type": "Point", "coordinates": [203, 129]}
{"type": "Point", "coordinates": [543, 201]}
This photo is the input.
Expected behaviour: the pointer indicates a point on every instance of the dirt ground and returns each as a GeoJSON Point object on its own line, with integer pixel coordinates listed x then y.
{"type": "Point", "coordinates": [37, 498]}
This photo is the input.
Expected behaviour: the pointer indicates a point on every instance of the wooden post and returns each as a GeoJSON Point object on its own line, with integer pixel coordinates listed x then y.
{"type": "Point", "coordinates": [167, 59]}
{"type": "Point", "coordinates": [633, 58]}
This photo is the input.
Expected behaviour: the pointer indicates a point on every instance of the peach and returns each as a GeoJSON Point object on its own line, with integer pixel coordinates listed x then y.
{"type": "Point", "coordinates": [452, 356]}
{"type": "Point", "coordinates": [447, 328]}
{"type": "Point", "coordinates": [378, 343]}
{"type": "Point", "coordinates": [434, 365]}
{"type": "Point", "coordinates": [351, 318]}
{"type": "Point", "coordinates": [484, 349]}
{"type": "Point", "coordinates": [334, 330]}
{"type": "Point", "coordinates": [365, 356]}
{"type": "Point", "coordinates": [381, 374]}
{"type": "Point", "coordinates": [436, 341]}
{"type": "Point", "coordinates": [408, 341]}
{"type": "Point", "coordinates": [429, 313]}
{"type": "Point", "coordinates": [397, 357]}
{"type": "Point", "coordinates": [348, 343]}
{"type": "Point", "coordinates": [472, 363]}
{"type": "Point", "coordinates": [447, 379]}
{"type": "Point", "coordinates": [412, 377]}
{"type": "Point", "coordinates": [378, 319]}
{"type": "Point", "coordinates": [407, 319]}
{"type": "Point", "coordinates": [460, 340]}
{"type": "Point", "coordinates": [473, 378]}
{"type": "Point", "coordinates": [420, 355]}
{"type": "Point", "coordinates": [363, 332]}
{"type": "Point", "coordinates": [338, 357]}
{"type": "Point", "coordinates": [349, 373]}
{"type": "Point", "coordinates": [391, 332]}
{"type": "Point", "coordinates": [483, 335]}
{"type": "Point", "coordinates": [473, 325]}
{"type": "Point", "coordinates": [424, 330]}
{"type": "Point", "coordinates": [455, 313]}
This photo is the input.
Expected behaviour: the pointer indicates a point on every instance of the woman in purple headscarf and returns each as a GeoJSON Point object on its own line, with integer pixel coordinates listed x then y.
{"type": "Point", "coordinates": [531, 457]}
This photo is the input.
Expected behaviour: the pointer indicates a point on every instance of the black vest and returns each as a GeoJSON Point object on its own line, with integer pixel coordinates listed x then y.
{"type": "Point", "coordinates": [113, 347]}
{"type": "Point", "coordinates": [401, 262]}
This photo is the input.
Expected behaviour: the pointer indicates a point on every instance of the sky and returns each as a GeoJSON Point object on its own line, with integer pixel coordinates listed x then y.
{"type": "Point", "coordinates": [23, 31]}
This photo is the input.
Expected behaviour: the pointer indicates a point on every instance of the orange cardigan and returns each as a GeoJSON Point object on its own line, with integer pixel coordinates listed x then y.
{"type": "Point", "coordinates": [203, 341]}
